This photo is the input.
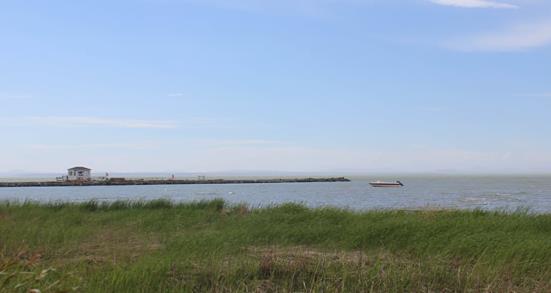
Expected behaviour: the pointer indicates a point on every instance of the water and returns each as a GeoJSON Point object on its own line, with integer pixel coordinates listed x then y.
{"type": "Point", "coordinates": [489, 193]}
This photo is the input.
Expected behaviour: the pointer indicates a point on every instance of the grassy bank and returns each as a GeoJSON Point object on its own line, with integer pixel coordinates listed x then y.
{"type": "Point", "coordinates": [210, 246]}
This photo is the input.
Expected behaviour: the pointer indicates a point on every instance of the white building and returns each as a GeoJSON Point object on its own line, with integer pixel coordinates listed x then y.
{"type": "Point", "coordinates": [79, 174]}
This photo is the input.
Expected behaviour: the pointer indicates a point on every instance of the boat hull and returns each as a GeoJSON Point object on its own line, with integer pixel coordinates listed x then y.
{"type": "Point", "coordinates": [386, 184]}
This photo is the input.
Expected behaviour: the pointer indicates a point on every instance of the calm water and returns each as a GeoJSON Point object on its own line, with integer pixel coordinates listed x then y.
{"type": "Point", "coordinates": [505, 193]}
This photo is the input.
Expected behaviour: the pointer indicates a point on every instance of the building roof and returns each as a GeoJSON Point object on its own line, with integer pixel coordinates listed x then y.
{"type": "Point", "coordinates": [80, 168]}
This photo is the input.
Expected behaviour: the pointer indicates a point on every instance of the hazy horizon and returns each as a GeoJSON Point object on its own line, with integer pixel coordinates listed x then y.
{"type": "Point", "coordinates": [263, 173]}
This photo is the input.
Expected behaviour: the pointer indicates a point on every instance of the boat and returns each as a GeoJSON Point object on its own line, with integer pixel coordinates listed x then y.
{"type": "Point", "coordinates": [386, 184]}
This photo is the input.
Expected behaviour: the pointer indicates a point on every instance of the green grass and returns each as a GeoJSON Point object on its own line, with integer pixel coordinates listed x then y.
{"type": "Point", "coordinates": [159, 246]}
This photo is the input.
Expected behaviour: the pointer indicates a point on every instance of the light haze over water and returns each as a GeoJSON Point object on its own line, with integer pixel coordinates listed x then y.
{"type": "Point", "coordinates": [420, 192]}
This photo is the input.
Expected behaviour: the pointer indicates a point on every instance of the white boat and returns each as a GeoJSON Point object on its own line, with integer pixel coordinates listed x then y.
{"type": "Point", "coordinates": [386, 184]}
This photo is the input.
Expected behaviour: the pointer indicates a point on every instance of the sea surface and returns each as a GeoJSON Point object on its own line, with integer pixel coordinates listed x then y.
{"type": "Point", "coordinates": [508, 193]}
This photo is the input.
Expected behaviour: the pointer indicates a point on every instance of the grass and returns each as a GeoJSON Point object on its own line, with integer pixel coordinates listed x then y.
{"type": "Point", "coordinates": [159, 246]}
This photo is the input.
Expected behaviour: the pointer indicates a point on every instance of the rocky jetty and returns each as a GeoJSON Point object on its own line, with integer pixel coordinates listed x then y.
{"type": "Point", "coordinates": [124, 181]}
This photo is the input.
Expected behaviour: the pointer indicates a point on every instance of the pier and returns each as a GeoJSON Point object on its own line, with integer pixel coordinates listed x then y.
{"type": "Point", "coordinates": [124, 181]}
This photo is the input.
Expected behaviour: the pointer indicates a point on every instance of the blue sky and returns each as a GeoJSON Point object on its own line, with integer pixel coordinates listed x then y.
{"type": "Point", "coordinates": [286, 85]}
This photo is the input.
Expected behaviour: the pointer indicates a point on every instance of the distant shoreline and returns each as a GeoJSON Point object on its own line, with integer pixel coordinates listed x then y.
{"type": "Point", "coordinates": [124, 181]}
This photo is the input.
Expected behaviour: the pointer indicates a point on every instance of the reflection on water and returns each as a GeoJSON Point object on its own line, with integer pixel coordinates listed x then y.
{"type": "Point", "coordinates": [503, 193]}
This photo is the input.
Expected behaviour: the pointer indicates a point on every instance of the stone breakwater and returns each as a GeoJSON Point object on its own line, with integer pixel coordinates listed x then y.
{"type": "Point", "coordinates": [120, 181]}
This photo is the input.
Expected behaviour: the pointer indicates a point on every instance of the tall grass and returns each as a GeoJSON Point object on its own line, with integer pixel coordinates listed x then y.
{"type": "Point", "coordinates": [150, 246]}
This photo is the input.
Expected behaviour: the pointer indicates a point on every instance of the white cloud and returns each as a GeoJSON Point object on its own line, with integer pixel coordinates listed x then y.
{"type": "Point", "coordinates": [80, 121]}
{"type": "Point", "coordinates": [230, 143]}
{"type": "Point", "coordinates": [475, 4]}
{"type": "Point", "coordinates": [515, 38]}
{"type": "Point", "coordinates": [80, 147]}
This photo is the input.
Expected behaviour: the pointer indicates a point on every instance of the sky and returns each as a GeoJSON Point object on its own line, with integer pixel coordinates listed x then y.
{"type": "Point", "coordinates": [364, 86]}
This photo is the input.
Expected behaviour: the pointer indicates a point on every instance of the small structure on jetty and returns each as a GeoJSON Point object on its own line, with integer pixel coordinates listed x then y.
{"type": "Point", "coordinates": [78, 174]}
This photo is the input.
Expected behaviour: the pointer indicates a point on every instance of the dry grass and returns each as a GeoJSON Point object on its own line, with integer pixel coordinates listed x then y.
{"type": "Point", "coordinates": [112, 247]}
{"type": "Point", "coordinates": [301, 256]}
{"type": "Point", "coordinates": [27, 271]}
